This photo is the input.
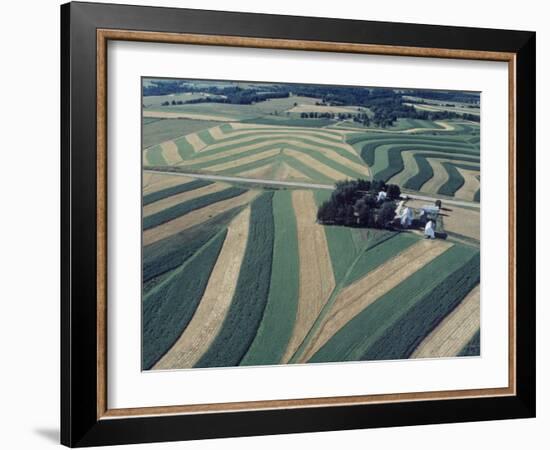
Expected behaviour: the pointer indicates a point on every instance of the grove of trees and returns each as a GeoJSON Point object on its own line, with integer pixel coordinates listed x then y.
{"type": "Point", "coordinates": [355, 203]}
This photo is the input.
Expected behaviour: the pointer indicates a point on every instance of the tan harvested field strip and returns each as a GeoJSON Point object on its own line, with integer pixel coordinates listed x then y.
{"type": "Point", "coordinates": [184, 115]}
{"type": "Point", "coordinates": [195, 217]}
{"type": "Point", "coordinates": [446, 125]}
{"type": "Point", "coordinates": [454, 332]}
{"type": "Point", "coordinates": [470, 186]}
{"type": "Point", "coordinates": [210, 314]}
{"type": "Point", "coordinates": [462, 221]}
{"type": "Point", "coordinates": [195, 141]}
{"type": "Point", "coordinates": [333, 155]}
{"type": "Point", "coordinates": [170, 152]}
{"type": "Point", "coordinates": [356, 297]}
{"type": "Point", "coordinates": [316, 275]}
{"type": "Point", "coordinates": [259, 172]}
{"type": "Point", "coordinates": [441, 176]}
{"type": "Point", "coordinates": [157, 182]}
{"type": "Point", "coordinates": [243, 161]}
{"type": "Point", "coordinates": [314, 164]}
{"type": "Point", "coordinates": [288, 173]}
{"type": "Point", "coordinates": [217, 133]}
{"type": "Point", "coordinates": [410, 168]}
{"type": "Point", "coordinates": [287, 136]}
{"type": "Point", "coordinates": [168, 202]}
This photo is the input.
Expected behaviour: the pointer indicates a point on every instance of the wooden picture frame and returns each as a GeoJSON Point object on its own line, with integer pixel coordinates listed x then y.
{"type": "Point", "coordinates": [86, 418]}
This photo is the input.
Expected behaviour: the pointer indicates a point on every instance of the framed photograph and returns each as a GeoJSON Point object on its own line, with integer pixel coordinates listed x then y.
{"type": "Point", "coordinates": [276, 224]}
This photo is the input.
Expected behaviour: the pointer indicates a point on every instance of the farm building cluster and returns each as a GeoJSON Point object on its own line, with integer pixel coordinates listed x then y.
{"type": "Point", "coordinates": [361, 203]}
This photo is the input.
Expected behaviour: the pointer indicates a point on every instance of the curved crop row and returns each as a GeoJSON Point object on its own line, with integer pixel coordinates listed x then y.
{"type": "Point", "coordinates": [456, 180]}
{"type": "Point", "coordinates": [168, 307]}
{"type": "Point", "coordinates": [245, 313]}
{"type": "Point", "coordinates": [426, 172]}
{"type": "Point", "coordinates": [185, 207]}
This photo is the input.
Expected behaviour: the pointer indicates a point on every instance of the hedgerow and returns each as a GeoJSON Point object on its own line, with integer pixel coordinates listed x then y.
{"type": "Point", "coordinates": [185, 207]}
{"type": "Point", "coordinates": [169, 306]}
{"type": "Point", "coordinates": [173, 190]}
{"type": "Point", "coordinates": [251, 293]}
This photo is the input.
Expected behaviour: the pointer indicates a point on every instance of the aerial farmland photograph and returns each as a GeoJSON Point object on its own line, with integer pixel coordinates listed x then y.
{"type": "Point", "coordinates": [292, 223]}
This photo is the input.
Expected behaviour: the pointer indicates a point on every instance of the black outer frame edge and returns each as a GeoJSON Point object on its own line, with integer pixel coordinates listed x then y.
{"type": "Point", "coordinates": [79, 426]}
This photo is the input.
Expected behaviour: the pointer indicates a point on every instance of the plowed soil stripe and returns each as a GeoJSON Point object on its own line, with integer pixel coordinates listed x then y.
{"type": "Point", "coordinates": [208, 318]}
{"type": "Point", "coordinates": [454, 332]}
{"type": "Point", "coordinates": [195, 217]}
{"type": "Point", "coordinates": [316, 275]}
{"type": "Point", "coordinates": [359, 295]}
{"type": "Point", "coordinates": [195, 141]}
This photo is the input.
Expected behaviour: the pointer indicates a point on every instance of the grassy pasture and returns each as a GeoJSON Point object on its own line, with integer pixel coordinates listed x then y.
{"type": "Point", "coordinates": [185, 207]}
{"type": "Point", "coordinates": [247, 308]}
{"type": "Point", "coordinates": [365, 330]}
{"type": "Point", "coordinates": [169, 306]}
{"type": "Point", "coordinates": [156, 131]}
{"type": "Point", "coordinates": [282, 303]}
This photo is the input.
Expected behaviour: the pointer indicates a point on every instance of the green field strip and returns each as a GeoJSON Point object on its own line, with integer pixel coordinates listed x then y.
{"type": "Point", "coordinates": [185, 149]}
{"type": "Point", "coordinates": [243, 318]}
{"type": "Point", "coordinates": [251, 166]}
{"type": "Point", "coordinates": [404, 336]}
{"type": "Point", "coordinates": [456, 180]}
{"type": "Point", "coordinates": [283, 131]}
{"type": "Point", "coordinates": [168, 308]}
{"type": "Point", "coordinates": [308, 171]}
{"type": "Point", "coordinates": [186, 207]}
{"type": "Point", "coordinates": [314, 154]}
{"type": "Point", "coordinates": [353, 341]}
{"type": "Point", "coordinates": [157, 131]}
{"type": "Point", "coordinates": [173, 190]}
{"type": "Point", "coordinates": [425, 170]}
{"type": "Point", "coordinates": [341, 245]}
{"type": "Point", "coordinates": [379, 254]}
{"type": "Point", "coordinates": [280, 142]}
{"type": "Point", "coordinates": [169, 253]}
{"type": "Point", "coordinates": [473, 347]}
{"type": "Point", "coordinates": [371, 137]}
{"type": "Point", "coordinates": [391, 163]}
{"type": "Point", "coordinates": [279, 316]}
{"type": "Point", "coordinates": [154, 156]}
{"type": "Point", "coordinates": [206, 137]}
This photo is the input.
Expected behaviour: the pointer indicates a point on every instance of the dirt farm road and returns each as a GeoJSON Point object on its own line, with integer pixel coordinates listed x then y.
{"type": "Point", "coordinates": [299, 185]}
